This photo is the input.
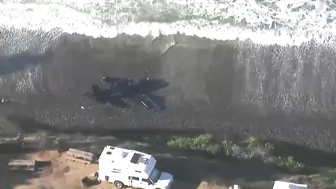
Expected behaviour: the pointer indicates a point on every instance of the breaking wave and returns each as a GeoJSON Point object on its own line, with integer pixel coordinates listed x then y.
{"type": "Point", "coordinates": [262, 22]}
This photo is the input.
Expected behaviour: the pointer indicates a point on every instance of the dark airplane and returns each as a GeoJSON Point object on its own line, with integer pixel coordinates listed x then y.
{"type": "Point", "coordinates": [116, 83]}
{"type": "Point", "coordinates": [130, 86]}
{"type": "Point", "coordinates": [103, 96]}
{"type": "Point", "coordinates": [140, 91]}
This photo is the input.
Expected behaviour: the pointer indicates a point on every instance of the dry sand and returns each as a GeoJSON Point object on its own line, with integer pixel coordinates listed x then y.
{"type": "Point", "coordinates": [65, 174]}
{"type": "Point", "coordinates": [62, 174]}
{"type": "Point", "coordinates": [207, 185]}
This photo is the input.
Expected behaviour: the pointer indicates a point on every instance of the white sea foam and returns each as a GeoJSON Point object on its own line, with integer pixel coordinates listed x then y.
{"type": "Point", "coordinates": [283, 22]}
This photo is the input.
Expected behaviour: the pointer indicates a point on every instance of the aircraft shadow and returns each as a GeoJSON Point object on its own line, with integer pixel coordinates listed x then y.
{"type": "Point", "coordinates": [18, 62]}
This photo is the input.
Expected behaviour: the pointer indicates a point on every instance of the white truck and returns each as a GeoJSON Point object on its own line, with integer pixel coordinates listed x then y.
{"type": "Point", "coordinates": [130, 168]}
{"type": "Point", "coordinates": [288, 185]}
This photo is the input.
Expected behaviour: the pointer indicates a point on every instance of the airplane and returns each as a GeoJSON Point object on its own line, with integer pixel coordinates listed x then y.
{"type": "Point", "coordinates": [103, 96]}
{"type": "Point", "coordinates": [137, 90]}
{"type": "Point", "coordinates": [117, 82]}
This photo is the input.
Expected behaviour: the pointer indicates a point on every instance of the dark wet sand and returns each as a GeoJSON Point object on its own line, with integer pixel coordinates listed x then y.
{"type": "Point", "coordinates": [204, 92]}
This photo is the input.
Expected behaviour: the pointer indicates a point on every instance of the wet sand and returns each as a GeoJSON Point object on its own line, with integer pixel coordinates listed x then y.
{"type": "Point", "coordinates": [205, 93]}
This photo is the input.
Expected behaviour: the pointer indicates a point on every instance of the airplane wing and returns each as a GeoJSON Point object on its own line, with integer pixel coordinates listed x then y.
{"type": "Point", "coordinates": [118, 83]}
{"type": "Point", "coordinates": [111, 80]}
{"type": "Point", "coordinates": [152, 101]}
{"type": "Point", "coordinates": [118, 102]}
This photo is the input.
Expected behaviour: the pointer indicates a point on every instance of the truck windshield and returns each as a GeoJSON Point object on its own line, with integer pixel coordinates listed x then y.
{"type": "Point", "coordinates": [155, 175]}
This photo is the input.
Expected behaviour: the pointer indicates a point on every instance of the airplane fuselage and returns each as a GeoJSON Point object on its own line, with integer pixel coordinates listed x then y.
{"type": "Point", "coordinates": [137, 88]}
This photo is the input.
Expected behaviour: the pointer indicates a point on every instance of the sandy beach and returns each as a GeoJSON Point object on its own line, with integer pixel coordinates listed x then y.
{"type": "Point", "coordinates": [209, 90]}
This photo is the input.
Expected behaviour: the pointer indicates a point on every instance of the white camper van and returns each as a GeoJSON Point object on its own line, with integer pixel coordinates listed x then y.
{"type": "Point", "coordinates": [288, 185]}
{"type": "Point", "coordinates": [124, 167]}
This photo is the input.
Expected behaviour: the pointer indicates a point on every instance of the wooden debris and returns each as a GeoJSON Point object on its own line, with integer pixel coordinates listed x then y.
{"type": "Point", "coordinates": [80, 156]}
{"type": "Point", "coordinates": [21, 165]}
{"type": "Point", "coordinates": [27, 165]}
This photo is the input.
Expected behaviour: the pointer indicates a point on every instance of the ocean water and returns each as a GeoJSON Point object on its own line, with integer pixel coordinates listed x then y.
{"type": "Point", "coordinates": [264, 22]}
{"type": "Point", "coordinates": [262, 68]}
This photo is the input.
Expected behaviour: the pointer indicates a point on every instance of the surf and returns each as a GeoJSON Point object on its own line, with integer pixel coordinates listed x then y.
{"type": "Point", "coordinates": [262, 22]}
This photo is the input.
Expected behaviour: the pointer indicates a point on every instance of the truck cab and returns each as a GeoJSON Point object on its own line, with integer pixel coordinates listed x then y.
{"type": "Point", "coordinates": [158, 180]}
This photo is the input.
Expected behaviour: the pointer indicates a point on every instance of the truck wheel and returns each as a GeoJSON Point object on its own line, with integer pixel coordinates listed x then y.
{"type": "Point", "coordinates": [119, 184]}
